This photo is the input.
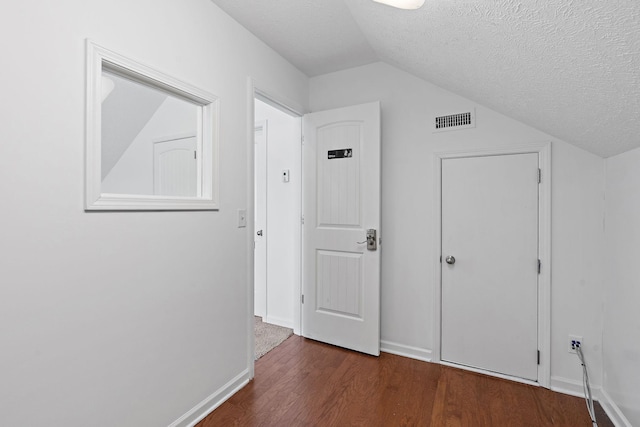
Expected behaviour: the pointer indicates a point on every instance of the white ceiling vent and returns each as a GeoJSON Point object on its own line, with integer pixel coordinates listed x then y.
{"type": "Point", "coordinates": [455, 121]}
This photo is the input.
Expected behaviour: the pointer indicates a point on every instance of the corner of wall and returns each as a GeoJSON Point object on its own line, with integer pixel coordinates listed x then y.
{"type": "Point", "coordinates": [210, 403]}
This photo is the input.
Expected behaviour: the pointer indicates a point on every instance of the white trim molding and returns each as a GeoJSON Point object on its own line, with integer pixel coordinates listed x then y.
{"type": "Point", "coordinates": [543, 149]}
{"type": "Point", "coordinates": [572, 387]}
{"type": "Point", "coordinates": [406, 351]}
{"type": "Point", "coordinates": [613, 411]}
{"type": "Point", "coordinates": [279, 321]}
{"type": "Point", "coordinates": [99, 60]}
{"type": "Point", "coordinates": [575, 388]}
{"type": "Point", "coordinates": [209, 404]}
{"type": "Point", "coordinates": [251, 229]}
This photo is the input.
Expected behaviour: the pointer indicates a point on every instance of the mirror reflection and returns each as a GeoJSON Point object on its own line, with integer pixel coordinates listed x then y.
{"type": "Point", "coordinates": [149, 140]}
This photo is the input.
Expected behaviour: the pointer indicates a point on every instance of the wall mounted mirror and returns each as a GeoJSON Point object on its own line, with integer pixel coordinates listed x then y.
{"type": "Point", "coordinates": [151, 139]}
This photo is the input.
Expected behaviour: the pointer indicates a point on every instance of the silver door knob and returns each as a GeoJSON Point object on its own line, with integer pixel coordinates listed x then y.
{"type": "Point", "coordinates": [259, 232]}
{"type": "Point", "coordinates": [450, 260]}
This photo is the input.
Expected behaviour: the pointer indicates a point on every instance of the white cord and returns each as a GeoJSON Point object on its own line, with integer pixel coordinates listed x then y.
{"type": "Point", "coordinates": [586, 387]}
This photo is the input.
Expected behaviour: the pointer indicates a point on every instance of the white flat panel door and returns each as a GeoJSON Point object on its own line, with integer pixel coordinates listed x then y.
{"type": "Point", "coordinates": [341, 200]}
{"type": "Point", "coordinates": [260, 239]}
{"type": "Point", "coordinates": [175, 167]}
{"type": "Point", "coordinates": [490, 292]}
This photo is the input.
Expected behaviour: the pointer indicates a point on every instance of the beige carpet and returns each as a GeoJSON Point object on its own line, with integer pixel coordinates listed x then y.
{"type": "Point", "coordinates": [268, 336]}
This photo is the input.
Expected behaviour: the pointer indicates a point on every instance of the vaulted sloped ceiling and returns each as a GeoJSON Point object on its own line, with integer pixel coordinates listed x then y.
{"type": "Point", "coordinates": [131, 106]}
{"type": "Point", "coordinates": [569, 68]}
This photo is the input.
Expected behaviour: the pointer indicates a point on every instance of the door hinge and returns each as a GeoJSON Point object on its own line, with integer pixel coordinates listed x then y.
{"type": "Point", "coordinates": [302, 139]}
{"type": "Point", "coordinates": [440, 259]}
{"type": "Point", "coordinates": [539, 176]}
{"type": "Point", "coordinates": [195, 155]}
{"type": "Point", "coordinates": [302, 299]}
{"type": "Point", "coordinates": [538, 357]}
{"type": "Point", "coordinates": [539, 266]}
{"type": "Point", "coordinates": [302, 219]}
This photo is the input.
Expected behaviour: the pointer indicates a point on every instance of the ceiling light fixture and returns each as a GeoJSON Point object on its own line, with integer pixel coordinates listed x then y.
{"type": "Point", "coordinates": [402, 4]}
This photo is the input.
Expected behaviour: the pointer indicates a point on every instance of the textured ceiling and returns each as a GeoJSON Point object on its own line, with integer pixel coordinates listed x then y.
{"type": "Point", "coordinates": [569, 68]}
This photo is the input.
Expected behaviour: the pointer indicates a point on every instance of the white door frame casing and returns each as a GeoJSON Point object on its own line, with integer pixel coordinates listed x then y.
{"type": "Point", "coordinates": [544, 249]}
{"type": "Point", "coordinates": [257, 90]}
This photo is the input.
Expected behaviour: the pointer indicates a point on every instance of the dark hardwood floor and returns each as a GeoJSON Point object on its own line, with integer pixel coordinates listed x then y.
{"type": "Point", "coordinates": [307, 383]}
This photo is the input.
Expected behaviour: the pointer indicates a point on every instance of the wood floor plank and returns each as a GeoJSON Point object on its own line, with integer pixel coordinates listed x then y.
{"type": "Point", "coordinates": [307, 383]}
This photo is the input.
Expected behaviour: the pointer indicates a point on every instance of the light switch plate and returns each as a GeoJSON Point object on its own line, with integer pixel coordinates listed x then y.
{"type": "Point", "coordinates": [242, 218]}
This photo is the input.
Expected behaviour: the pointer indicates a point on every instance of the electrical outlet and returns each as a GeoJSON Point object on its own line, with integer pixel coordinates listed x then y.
{"type": "Point", "coordinates": [575, 341]}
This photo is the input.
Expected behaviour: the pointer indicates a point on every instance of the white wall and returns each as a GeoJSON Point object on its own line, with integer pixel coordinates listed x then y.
{"type": "Point", "coordinates": [622, 286]}
{"type": "Point", "coordinates": [133, 172]}
{"type": "Point", "coordinates": [283, 213]}
{"type": "Point", "coordinates": [408, 104]}
{"type": "Point", "coordinates": [129, 318]}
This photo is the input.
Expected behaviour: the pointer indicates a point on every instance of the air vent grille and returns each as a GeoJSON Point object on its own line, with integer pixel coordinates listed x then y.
{"type": "Point", "coordinates": [454, 121]}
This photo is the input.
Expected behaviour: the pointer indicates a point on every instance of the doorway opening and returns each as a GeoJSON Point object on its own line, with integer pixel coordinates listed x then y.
{"type": "Point", "coordinates": [343, 146]}
{"type": "Point", "coordinates": [277, 205]}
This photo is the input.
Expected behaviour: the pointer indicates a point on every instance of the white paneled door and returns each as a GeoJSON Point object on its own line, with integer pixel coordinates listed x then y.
{"type": "Point", "coordinates": [341, 203]}
{"type": "Point", "coordinates": [175, 167]}
{"type": "Point", "coordinates": [490, 263]}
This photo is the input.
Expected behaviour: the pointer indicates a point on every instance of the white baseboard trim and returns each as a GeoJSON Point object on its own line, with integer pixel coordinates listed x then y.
{"type": "Point", "coordinates": [204, 408]}
{"type": "Point", "coordinates": [278, 321]}
{"type": "Point", "coordinates": [613, 412]}
{"type": "Point", "coordinates": [572, 387]}
{"type": "Point", "coordinates": [406, 351]}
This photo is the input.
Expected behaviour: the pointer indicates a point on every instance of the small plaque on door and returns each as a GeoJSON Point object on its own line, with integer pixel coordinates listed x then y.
{"type": "Point", "coordinates": [340, 154]}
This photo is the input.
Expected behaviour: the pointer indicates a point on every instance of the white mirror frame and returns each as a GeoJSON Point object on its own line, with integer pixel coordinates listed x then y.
{"type": "Point", "coordinates": [99, 58]}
